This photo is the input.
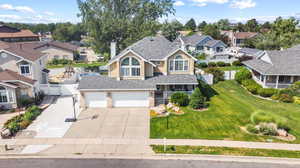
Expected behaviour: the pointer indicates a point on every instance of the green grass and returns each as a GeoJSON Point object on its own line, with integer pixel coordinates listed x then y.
{"type": "Point", "coordinates": [228, 111]}
{"type": "Point", "coordinates": [230, 68]}
{"type": "Point", "coordinates": [77, 65]}
{"type": "Point", "coordinates": [226, 151]}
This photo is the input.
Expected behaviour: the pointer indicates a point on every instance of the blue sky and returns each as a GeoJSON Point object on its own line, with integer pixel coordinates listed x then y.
{"type": "Point", "coordinates": [45, 11]}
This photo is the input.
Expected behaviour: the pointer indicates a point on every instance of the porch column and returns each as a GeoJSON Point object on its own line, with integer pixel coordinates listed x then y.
{"type": "Point", "coordinates": [265, 80]}
{"type": "Point", "coordinates": [292, 79]}
{"type": "Point", "coordinates": [277, 81]}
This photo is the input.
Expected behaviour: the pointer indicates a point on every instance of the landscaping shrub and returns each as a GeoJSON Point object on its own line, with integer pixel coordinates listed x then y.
{"type": "Point", "coordinates": [197, 99]}
{"type": "Point", "coordinates": [218, 74]}
{"type": "Point", "coordinates": [22, 121]}
{"type": "Point", "coordinates": [180, 98]}
{"type": "Point", "coordinates": [243, 74]}
{"type": "Point", "coordinates": [60, 62]}
{"type": "Point", "coordinates": [251, 86]}
{"type": "Point", "coordinates": [206, 90]}
{"type": "Point", "coordinates": [237, 63]}
{"type": "Point", "coordinates": [212, 64]}
{"type": "Point", "coordinates": [221, 64]}
{"type": "Point", "coordinates": [26, 102]}
{"type": "Point", "coordinates": [252, 129]}
{"type": "Point", "coordinates": [202, 65]}
{"type": "Point", "coordinates": [201, 56]}
{"type": "Point", "coordinates": [227, 64]}
{"type": "Point", "coordinates": [267, 117]}
{"type": "Point", "coordinates": [296, 100]}
{"type": "Point", "coordinates": [286, 98]}
{"type": "Point", "coordinates": [268, 129]}
{"type": "Point", "coordinates": [266, 92]}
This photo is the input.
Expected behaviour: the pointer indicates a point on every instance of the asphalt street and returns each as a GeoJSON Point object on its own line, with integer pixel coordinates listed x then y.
{"type": "Point", "coordinates": [131, 163]}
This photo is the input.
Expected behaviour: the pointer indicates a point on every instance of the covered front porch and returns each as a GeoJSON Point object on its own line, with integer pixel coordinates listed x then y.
{"type": "Point", "coordinates": [164, 92]}
{"type": "Point", "coordinates": [275, 81]}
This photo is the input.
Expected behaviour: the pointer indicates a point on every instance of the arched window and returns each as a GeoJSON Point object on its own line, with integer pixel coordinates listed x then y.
{"type": "Point", "coordinates": [178, 64]}
{"type": "Point", "coordinates": [130, 67]}
{"type": "Point", "coordinates": [3, 95]}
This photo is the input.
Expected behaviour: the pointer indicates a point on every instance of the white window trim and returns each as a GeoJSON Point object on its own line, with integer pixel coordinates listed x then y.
{"type": "Point", "coordinates": [29, 67]}
{"type": "Point", "coordinates": [130, 66]}
{"type": "Point", "coordinates": [7, 97]}
{"type": "Point", "coordinates": [185, 61]}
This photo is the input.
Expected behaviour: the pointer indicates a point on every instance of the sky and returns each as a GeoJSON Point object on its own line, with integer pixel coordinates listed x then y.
{"type": "Point", "coordinates": [46, 11]}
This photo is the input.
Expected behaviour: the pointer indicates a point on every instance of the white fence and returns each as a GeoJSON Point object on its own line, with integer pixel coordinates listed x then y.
{"type": "Point", "coordinates": [59, 89]}
{"type": "Point", "coordinates": [229, 75]}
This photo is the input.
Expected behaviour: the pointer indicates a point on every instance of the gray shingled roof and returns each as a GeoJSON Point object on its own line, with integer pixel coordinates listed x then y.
{"type": "Point", "coordinates": [151, 48]}
{"type": "Point", "coordinates": [194, 39]}
{"type": "Point", "coordinates": [212, 43]}
{"type": "Point", "coordinates": [107, 83]}
{"type": "Point", "coordinates": [283, 63]}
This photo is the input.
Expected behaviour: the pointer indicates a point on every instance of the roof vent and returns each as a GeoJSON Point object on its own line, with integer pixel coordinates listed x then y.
{"type": "Point", "coordinates": [151, 39]}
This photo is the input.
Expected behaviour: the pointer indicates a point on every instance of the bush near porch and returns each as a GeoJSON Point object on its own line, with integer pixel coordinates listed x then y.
{"type": "Point", "coordinates": [228, 111]}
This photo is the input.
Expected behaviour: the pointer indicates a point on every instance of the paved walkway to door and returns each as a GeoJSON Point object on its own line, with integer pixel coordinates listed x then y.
{"type": "Point", "coordinates": [114, 123]}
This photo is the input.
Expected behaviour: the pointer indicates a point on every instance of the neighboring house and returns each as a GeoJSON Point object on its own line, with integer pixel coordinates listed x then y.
{"type": "Point", "coordinates": [22, 70]}
{"type": "Point", "coordinates": [54, 49]}
{"type": "Point", "coordinates": [10, 34]}
{"type": "Point", "coordinates": [276, 69]}
{"type": "Point", "coordinates": [202, 44]}
{"type": "Point", "coordinates": [238, 38]}
{"type": "Point", "coordinates": [143, 75]}
{"type": "Point", "coordinates": [87, 54]}
{"type": "Point", "coordinates": [240, 52]}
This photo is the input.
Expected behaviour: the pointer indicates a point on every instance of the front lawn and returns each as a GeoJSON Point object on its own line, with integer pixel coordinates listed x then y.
{"type": "Point", "coordinates": [225, 151]}
{"type": "Point", "coordinates": [230, 68]}
{"type": "Point", "coordinates": [228, 112]}
{"type": "Point", "coordinates": [93, 64]}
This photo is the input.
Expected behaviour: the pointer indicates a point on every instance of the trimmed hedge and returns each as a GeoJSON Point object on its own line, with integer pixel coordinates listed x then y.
{"type": "Point", "coordinates": [212, 64]}
{"type": "Point", "coordinates": [202, 65]}
{"type": "Point", "coordinates": [267, 92]}
{"type": "Point", "coordinates": [243, 74]}
{"type": "Point", "coordinates": [237, 63]}
{"type": "Point", "coordinates": [251, 86]}
{"type": "Point", "coordinates": [221, 64]}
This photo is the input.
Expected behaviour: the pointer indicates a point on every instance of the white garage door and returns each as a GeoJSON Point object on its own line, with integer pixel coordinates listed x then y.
{"type": "Point", "coordinates": [130, 99]}
{"type": "Point", "coordinates": [96, 99]}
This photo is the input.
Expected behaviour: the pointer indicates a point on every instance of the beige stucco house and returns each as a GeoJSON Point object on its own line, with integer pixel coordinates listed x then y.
{"type": "Point", "coordinates": [22, 70]}
{"type": "Point", "coordinates": [143, 75]}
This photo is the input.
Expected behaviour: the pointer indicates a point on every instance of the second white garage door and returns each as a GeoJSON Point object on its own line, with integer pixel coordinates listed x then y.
{"type": "Point", "coordinates": [130, 99]}
{"type": "Point", "coordinates": [96, 99]}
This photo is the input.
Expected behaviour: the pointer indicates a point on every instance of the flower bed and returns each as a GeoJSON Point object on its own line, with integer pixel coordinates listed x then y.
{"type": "Point", "coordinates": [20, 122]}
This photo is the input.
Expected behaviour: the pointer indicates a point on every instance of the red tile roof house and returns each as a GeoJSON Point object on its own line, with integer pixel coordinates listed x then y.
{"type": "Point", "coordinates": [10, 34]}
{"type": "Point", "coordinates": [21, 73]}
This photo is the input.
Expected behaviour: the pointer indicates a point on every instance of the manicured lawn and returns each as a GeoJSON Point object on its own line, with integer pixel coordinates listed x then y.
{"type": "Point", "coordinates": [225, 151]}
{"type": "Point", "coordinates": [228, 111]}
{"type": "Point", "coordinates": [77, 65]}
{"type": "Point", "coordinates": [230, 68]}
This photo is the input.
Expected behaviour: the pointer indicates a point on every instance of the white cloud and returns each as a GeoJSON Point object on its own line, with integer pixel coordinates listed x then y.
{"type": "Point", "coordinates": [10, 17]}
{"type": "Point", "coordinates": [49, 13]}
{"type": "Point", "coordinates": [179, 3]}
{"type": "Point", "coordinates": [10, 7]}
{"type": "Point", "coordinates": [201, 3]}
{"type": "Point", "coordinates": [242, 4]}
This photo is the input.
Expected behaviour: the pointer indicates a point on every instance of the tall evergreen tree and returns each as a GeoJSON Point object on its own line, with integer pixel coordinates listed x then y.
{"type": "Point", "coordinates": [191, 25]}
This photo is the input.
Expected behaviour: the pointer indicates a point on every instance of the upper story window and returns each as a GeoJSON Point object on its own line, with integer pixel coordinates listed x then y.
{"type": "Point", "coordinates": [3, 95]}
{"type": "Point", "coordinates": [178, 64]}
{"type": "Point", "coordinates": [25, 69]}
{"type": "Point", "coordinates": [130, 67]}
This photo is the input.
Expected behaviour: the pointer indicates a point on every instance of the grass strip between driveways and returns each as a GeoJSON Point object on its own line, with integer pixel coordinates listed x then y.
{"type": "Point", "coordinates": [171, 149]}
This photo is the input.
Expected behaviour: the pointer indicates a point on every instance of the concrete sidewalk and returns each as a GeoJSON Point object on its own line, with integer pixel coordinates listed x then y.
{"type": "Point", "coordinates": [107, 141]}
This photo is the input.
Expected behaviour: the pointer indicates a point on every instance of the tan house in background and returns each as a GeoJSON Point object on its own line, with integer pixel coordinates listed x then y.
{"type": "Point", "coordinates": [10, 34]}
{"type": "Point", "coordinates": [143, 75]}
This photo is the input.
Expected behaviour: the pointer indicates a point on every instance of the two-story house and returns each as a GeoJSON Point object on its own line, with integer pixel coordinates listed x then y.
{"type": "Point", "coordinates": [143, 75]}
{"type": "Point", "coordinates": [22, 70]}
{"type": "Point", "coordinates": [202, 44]}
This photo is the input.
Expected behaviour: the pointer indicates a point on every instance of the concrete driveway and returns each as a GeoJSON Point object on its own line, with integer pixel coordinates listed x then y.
{"type": "Point", "coordinates": [114, 123]}
{"type": "Point", "coordinates": [51, 123]}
